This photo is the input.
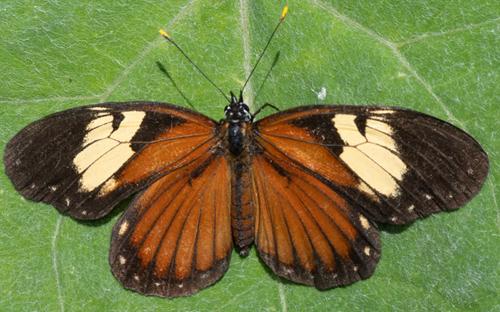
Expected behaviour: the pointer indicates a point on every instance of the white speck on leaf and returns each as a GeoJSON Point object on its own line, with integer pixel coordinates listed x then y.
{"type": "Point", "coordinates": [321, 93]}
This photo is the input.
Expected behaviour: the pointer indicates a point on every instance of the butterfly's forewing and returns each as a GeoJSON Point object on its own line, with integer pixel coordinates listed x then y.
{"type": "Point", "coordinates": [175, 237]}
{"type": "Point", "coordinates": [85, 160]}
{"type": "Point", "coordinates": [323, 174]}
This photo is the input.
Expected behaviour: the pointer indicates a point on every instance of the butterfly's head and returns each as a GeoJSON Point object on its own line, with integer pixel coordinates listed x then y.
{"type": "Point", "coordinates": [237, 111]}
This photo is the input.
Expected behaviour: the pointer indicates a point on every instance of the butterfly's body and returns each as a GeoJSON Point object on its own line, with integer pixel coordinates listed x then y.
{"type": "Point", "coordinates": [237, 127]}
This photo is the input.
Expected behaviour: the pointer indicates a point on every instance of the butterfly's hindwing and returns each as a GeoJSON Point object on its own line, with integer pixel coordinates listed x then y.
{"type": "Point", "coordinates": [175, 237]}
{"type": "Point", "coordinates": [85, 160]}
{"type": "Point", "coordinates": [305, 231]}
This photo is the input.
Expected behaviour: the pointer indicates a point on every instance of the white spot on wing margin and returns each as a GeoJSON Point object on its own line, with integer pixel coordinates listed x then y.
{"type": "Point", "coordinates": [367, 251]}
{"type": "Point", "coordinates": [123, 228]}
{"type": "Point", "coordinates": [364, 222]}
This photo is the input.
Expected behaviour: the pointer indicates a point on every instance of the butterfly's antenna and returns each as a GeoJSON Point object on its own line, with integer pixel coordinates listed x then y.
{"type": "Point", "coordinates": [268, 42]}
{"type": "Point", "coordinates": [166, 36]}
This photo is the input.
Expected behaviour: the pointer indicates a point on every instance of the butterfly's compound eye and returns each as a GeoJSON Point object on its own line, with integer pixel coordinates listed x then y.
{"type": "Point", "coordinates": [245, 109]}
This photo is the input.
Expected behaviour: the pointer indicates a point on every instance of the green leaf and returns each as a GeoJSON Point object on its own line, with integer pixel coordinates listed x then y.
{"type": "Point", "coordinates": [438, 57]}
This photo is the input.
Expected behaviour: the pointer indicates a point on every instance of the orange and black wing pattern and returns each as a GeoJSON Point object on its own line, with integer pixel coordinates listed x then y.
{"type": "Point", "coordinates": [85, 160]}
{"type": "Point", "coordinates": [307, 185]}
{"type": "Point", "coordinates": [323, 175]}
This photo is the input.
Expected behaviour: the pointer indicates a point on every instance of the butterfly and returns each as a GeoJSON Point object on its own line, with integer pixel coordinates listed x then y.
{"type": "Point", "coordinates": [306, 186]}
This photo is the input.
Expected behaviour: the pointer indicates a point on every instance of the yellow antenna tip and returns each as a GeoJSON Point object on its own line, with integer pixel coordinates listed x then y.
{"type": "Point", "coordinates": [164, 34]}
{"type": "Point", "coordinates": [284, 13]}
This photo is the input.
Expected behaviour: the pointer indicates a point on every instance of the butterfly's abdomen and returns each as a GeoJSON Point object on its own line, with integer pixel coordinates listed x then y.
{"type": "Point", "coordinates": [242, 212]}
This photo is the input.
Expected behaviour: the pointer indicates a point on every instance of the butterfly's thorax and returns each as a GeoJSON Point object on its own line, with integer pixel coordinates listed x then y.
{"type": "Point", "coordinates": [236, 138]}
{"type": "Point", "coordinates": [237, 127]}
